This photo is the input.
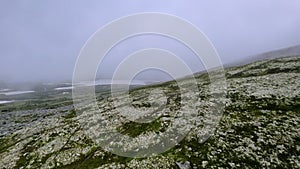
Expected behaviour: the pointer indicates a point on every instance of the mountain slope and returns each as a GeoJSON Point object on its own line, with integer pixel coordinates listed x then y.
{"type": "Point", "coordinates": [259, 127]}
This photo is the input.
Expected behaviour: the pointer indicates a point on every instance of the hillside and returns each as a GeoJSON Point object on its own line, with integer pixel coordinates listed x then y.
{"type": "Point", "coordinates": [259, 127]}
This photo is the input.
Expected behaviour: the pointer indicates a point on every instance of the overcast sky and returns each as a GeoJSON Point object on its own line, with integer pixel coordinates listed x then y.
{"type": "Point", "coordinates": [40, 40]}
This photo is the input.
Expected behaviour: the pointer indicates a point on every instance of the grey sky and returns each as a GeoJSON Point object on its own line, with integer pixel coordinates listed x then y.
{"type": "Point", "coordinates": [40, 40]}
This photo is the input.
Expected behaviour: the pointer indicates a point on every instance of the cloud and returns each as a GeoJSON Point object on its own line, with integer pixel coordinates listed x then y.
{"type": "Point", "coordinates": [40, 40]}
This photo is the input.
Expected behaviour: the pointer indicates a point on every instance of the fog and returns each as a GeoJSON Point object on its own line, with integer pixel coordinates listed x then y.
{"type": "Point", "coordinates": [40, 40]}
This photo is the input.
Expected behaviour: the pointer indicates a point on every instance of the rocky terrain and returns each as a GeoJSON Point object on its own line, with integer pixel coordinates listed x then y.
{"type": "Point", "coordinates": [258, 128]}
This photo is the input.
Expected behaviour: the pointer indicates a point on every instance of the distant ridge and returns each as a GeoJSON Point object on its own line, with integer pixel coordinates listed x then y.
{"type": "Point", "coordinates": [282, 52]}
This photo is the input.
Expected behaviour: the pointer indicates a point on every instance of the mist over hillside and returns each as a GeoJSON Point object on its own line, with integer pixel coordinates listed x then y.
{"type": "Point", "coordinates": [32, 85]}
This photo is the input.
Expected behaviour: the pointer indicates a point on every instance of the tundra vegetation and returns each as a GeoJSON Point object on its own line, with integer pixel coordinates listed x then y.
{"type": "Point", "coordinates": [259, 127]}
